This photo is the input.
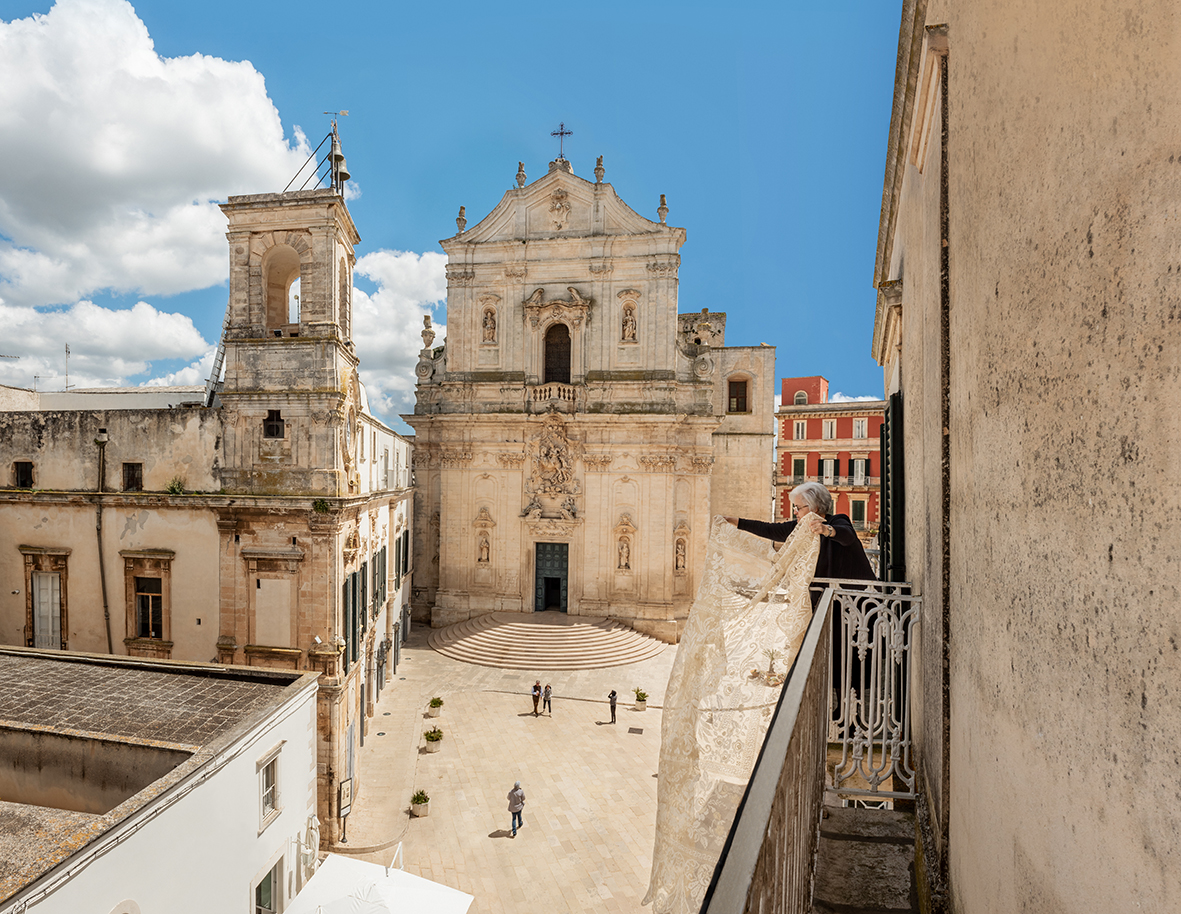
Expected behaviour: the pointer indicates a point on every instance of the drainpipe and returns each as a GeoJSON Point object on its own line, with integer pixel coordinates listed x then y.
{"type": "Point", "coordinates": [101, 441]}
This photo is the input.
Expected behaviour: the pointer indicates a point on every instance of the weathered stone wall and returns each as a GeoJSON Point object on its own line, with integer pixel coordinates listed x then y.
{"type": "Point", "coordinates": [1064, 320]}
{"type": "Point", "coordinates": [744, 444]}
{"type": "Point", "coordinates": [183, 441]}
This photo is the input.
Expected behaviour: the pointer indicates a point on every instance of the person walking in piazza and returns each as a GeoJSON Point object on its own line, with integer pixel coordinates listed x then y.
{"type": "Point", "coordinates": [611, 697]}
{"type": "Point", "coordinates": [536, 696]}
{"type": "Point", "coordinates": [516, 805]}
{"type": "Point", "coordinates": [545, 697]}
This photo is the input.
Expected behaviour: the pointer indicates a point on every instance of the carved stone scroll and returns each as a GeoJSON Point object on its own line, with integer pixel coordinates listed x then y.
{"type": "Point", "coordinates": [538, 307]}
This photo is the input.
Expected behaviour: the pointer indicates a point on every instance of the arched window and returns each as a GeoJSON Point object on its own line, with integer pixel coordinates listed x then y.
{"type": "Point", "coordinates": [280, 269]}
{"type": "Point", "coordinates": [557, 354]}
{"type": "Point", "coordinates": [801, 398]}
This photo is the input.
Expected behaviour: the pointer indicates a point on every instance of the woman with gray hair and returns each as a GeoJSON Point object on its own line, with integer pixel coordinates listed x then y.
{"type": "Point", "coordinates": [841, 553]}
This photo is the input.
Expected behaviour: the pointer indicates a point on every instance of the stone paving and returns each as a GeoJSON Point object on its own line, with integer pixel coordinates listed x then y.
{"type": "Point", "coordinates": [590, 787]}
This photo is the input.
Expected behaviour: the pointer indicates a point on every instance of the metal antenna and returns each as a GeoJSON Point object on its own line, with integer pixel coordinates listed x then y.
{"type": "Point", "coordinates": [561, 133]}
{"type": "Point", "coordinates": [67, 366]}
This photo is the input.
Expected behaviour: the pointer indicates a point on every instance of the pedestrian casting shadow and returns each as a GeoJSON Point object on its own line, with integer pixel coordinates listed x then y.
{"type": "Point", "coordinates": [530, 714]}
{"type": "Point", "coordinates": [604, 723]}
{"type": "Point", "coordinates": [501, 833]}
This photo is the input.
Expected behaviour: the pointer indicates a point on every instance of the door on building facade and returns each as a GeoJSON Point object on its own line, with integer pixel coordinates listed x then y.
{"type": "Point", "coordinates": [553, 572]}
{"type": "Point", "coordinates": [47, 610]}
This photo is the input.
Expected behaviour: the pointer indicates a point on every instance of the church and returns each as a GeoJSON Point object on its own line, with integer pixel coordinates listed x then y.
{"type": "Point", "coordinates": [575, 434]}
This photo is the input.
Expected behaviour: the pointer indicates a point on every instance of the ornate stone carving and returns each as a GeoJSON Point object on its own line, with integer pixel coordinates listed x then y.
{"type": "Point", "coordinates": [352, 545]}
{"type": "Point", "coordinates": [701, 465]}
{"type": "Point", "coordinates": [599, 170]}
{"type": "Point", "coordinates": [428, 332]}
{"type": "Point", "coordinates": [597, 462]}
{"type": "Point", "coordinates": [461, 219]}
{"type": "Point", "coordinates": [624, 525]}
{"type": "Point", "coordinates": [453, 458]}
{"type": "Point", "coordinates": [533, 509]}
{"type": "Point", "coordinates": [542, 527]}
{"type": "Point", "coordinates": [680, 556]}
{"type": "Point", "coordinates": [629, 295]}
{"type": "Point", "coordinates": [576, 310]}
{"type": "Point", "coordinates": [662, 210]}
{"type": "Point", "coordinates": [516, 271]}
{"type": "Point", "coordinates": [658, 463]}
{"type": "Point", "coordinates": [460, 277]}
{"type": "Point", "coordinates": [483, 549]}
{"type": "Point", "coordinates": [488, 325]}
{"type": "Point", "coordinates": [559, 209]}
{"type": "Point", "coordinates": [568, 509]}
{"type": "Point", "coordinates": [520, 174]}
{"type": "Point", "coordinates": [552, 456]}
{"type": "Point", "coordinates": [421, 458]}
{"type": "Point", "coordinates": [604, 267]}
{"type": "Point", "coordinates": [662, 267]}
{"type": "Point", "coordinates": [483, 520]}
{"type": "Point", "coordinates": [510, 461]}
{"type": "Point", "coordinates": [703, 366]}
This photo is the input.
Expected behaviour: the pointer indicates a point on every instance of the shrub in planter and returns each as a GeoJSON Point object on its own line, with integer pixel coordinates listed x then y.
{"type": "Point", "coordinates": [419, 803]}
{"type": "Point", "coordinates": [641, 698]}
{"type": "Point", "coordinates": [436, 707]}
{"type": "Point", "coordinates": [434, 739]}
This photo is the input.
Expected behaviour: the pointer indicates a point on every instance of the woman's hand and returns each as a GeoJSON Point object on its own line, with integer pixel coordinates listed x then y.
{"type": "Point", "coordinates": [733, 521]}
{"type": "Point", "coordinates": [814, 522]}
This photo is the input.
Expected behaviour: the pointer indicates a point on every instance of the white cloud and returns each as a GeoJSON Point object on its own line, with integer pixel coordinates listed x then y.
{"type": "Point", "coordinates": [194, 373]}
{"type": "Point", "coordinates": [107, 346]}
{"type": "Point", "coordinates": [117, 156]}
{"type": "Point", "coordinates": [844, 398]}
{"type": "Point", "coordinates": [387, 325]}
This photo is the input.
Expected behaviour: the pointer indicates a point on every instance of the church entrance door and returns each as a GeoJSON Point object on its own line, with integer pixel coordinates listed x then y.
{"type": "Point", "coordinates": [553, 573]}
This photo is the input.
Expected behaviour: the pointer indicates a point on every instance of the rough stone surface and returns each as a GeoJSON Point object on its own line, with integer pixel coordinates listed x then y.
{"type": "Point", "coordinates": [865, 863]}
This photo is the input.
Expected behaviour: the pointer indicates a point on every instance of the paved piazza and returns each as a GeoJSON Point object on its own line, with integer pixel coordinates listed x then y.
{"type": "Point", "coordinates": [590, 812]}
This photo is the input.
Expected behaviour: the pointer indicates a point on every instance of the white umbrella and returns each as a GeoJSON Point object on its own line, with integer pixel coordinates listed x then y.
{"type": "Point", "coordinates": [343, 885]}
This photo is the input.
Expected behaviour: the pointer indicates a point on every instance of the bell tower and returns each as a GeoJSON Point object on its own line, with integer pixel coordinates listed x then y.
{"type": "Point", "coordinates": [291, 394]}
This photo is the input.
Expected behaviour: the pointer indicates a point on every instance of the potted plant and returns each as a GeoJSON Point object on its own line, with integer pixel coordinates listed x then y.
{"type": "Point", "coordinates": [641, 699]}
{"type": "Point", "coordinates": [434, 739]}
{"type": "Point", "coordinates": [420, 804]}
{"type": "Point", "coordinates": [436, 707]}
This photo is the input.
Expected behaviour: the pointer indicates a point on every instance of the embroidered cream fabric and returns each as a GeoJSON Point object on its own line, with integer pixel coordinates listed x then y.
{"type": "Point", "coordinates": [720, 699]}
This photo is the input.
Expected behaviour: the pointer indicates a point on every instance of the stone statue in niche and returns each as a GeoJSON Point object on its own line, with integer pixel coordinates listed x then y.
{"type": "Point", "coordinates": [680, 566]}
{"type": "Point", "coordinates": [625, 554]}
{"type": "Point", "coordinates": [629, 324]}
{"type": "Point", "coordinates": [489, 326]}
{"type": "Point", "coordinates": [485, 549]}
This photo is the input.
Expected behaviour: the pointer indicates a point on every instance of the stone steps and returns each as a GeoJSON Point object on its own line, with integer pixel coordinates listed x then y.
{"type": "Point", "coordinates": [544, 641]}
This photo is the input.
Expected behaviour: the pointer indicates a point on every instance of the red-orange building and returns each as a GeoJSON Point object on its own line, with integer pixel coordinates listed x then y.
{"type": "Point", "coordinates": [837, 444]}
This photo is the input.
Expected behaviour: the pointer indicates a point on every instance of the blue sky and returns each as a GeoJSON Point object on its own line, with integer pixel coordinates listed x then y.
{"type": "Point", "coordinates": [764, 124]}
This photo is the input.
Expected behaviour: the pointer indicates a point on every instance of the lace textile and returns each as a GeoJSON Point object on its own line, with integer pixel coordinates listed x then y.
{"type": "Point", "coordinates": [720, 699]}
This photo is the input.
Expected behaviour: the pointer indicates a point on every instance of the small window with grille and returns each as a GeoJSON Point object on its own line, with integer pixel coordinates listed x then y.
{"type": "Point", "coordinates": [272, 425]}
{"type": "Point", "coordinates": [133, 477]}
{"type": "Point", "coordinates": [23, 474]}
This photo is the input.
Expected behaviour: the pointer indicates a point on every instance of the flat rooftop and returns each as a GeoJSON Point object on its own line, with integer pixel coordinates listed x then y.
{"type": "Point", "coordinates": [161, 720]}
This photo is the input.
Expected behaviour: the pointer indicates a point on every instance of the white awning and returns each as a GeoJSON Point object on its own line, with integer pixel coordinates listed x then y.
{"type": "Point", "coordinates": [343, 885]}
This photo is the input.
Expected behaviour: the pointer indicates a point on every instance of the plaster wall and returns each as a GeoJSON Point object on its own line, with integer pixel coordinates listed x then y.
{"type": "Point", "coordinates": [1064, 181]}
{"type": "Point", "coordinates": [205, 852]}
{"type": "Point", "coordinates": [188, 531]}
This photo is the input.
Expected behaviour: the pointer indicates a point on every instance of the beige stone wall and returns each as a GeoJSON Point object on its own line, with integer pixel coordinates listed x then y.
{"type": "Point", "coordinates": [1063, 381]}
{"type": "Point", "coordinates": [744, 444]}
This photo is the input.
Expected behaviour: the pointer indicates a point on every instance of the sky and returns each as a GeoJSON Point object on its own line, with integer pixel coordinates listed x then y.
{"type": "Point", "coordinates": [123, 125]}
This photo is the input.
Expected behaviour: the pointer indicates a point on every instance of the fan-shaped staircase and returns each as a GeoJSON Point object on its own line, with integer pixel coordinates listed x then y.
{"type": "Point", "coordinates": [544, 641]}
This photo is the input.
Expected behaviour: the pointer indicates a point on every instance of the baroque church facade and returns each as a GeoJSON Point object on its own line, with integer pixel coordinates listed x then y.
{"type": "Point", "coordinates": [575, 434]}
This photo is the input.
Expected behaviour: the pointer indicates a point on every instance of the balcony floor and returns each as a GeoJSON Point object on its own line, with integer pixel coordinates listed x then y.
{"type": "Point", "coordinates": [866, 863]}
